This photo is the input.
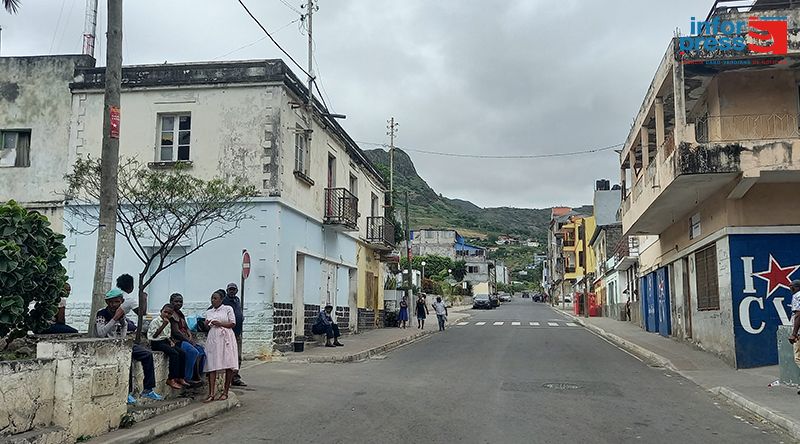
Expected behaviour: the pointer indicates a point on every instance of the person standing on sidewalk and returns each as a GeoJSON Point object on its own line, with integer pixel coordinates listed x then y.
{"type": "Point", "coordinates": [235, 303]}
{"type": "Point", "coordinates": [795, 288]}
{"type": "Point", "coordinates": [403, 318]}
{"type": "Point", "coordinates": [441, 312]}
{"type": "Point", "coordinates": [422, 311]}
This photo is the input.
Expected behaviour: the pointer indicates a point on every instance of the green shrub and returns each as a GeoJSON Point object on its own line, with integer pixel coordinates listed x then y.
{"type": "Point", "coordinates": [32, 279]}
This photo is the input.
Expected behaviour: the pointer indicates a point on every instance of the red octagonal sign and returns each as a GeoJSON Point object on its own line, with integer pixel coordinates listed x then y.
{"type": "Point", "coordinates": [245, 264]}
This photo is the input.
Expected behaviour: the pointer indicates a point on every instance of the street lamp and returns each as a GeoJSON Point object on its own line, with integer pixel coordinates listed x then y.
{"type": "Point", "coordinates": [423, 272]}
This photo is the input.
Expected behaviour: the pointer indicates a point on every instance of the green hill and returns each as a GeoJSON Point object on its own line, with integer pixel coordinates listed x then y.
{"type": "Point", "coordinates": [428, 209]}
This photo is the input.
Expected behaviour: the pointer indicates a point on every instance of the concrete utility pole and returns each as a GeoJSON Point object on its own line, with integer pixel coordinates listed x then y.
{"type": "Point", "coordinates": [109, 166]}
{"type": "Point", "coordinates": [90, 27]}
{"type": "Point", "coordinates": [392, 131]}
{"type": "Point", "coordinates": [409, 278]}
{"type": "Point", "coordinates": [310, 104]}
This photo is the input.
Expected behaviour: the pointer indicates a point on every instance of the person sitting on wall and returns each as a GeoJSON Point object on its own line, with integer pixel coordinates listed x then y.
{"type": "Point", "coordinates": [58, 325]}
{"type": "Point", "coordinates": [181, 334]}
{"type": "Point", "coordinates": [160, 336]}
{"type": "Point", "coordinates": [130, 301]}
{"type": "Point", "coordinates": [112, 323]}
{"type": "Point", "coordinates": [325, 325]}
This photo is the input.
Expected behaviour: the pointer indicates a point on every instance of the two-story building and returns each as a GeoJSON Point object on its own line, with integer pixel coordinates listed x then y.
{"type": "Point", "coordinates": [710, 169]}
{"type": "Point", "coordinates": [317, 231]}
{"type": "Point", "coordinates": [448, 243]}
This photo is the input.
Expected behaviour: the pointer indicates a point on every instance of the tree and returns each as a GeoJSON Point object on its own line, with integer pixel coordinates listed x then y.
{"type": "Point", "coordinates": [159, 211]}
{"type": "Point", "coordinates": [32, 279]}
{"type": "Point", "coordinates": [12, 6]}
{"type": "Point", "coordinates": [459, 270]}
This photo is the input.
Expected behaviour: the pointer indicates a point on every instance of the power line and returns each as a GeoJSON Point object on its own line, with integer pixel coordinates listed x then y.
{"type": "Point", "coordinates": [514, 156]}
{"type": "Point", "coordinates": [273, 40]}
{"type": "Point", "coordinates": [289, 5]}
{"type": "Point", "coordinates": [256, 41]}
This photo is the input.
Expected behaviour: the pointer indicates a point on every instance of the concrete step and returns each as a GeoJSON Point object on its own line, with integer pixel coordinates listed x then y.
{"type": "Point", "coordinates": [142, 412]}
{"type": "Point", "coordinates": [47, 435]}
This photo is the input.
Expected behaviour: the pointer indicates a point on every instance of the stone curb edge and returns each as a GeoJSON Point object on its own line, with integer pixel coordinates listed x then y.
{"type": "Point", "coordinates": [360, 356]}
{"type": "Point", "coordinates": [790, 426]}
{"type": "Point", "coordinates": [146, 431]}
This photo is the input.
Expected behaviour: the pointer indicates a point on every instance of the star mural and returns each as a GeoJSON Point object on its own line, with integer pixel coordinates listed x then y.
{"type": "Point", "coordinates": [777, 276]}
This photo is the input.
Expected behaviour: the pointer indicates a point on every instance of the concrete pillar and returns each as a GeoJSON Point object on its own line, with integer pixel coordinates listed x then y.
{"type": "Point", "coordinates": [632, 160]}
{"type": "Point", "coordinates": [659, 110]}
{"type": "Point", "coordinates": [623, 175]}
{"type": "Point", "coordinates": [681, 132]}
{"type": "Point", "coordinates": [645, 139]}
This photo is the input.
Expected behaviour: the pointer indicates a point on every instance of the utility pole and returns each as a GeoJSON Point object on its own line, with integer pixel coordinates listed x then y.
{"type": "Point", "coordinates": [90, 27]}
{"type": "Point", "coordinates": [310, 104]}
{"type": "Point", "coordinates": [409, 279]}
{"type": "Point", "coordinates": [109, 166]}
{"type": "Point", "coordinates": [585, 270]}
{"type": "Point", "coordinates": [392, 131]}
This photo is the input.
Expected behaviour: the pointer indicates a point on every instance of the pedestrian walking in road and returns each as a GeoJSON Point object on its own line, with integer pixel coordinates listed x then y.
{"type": "Point", "coordinates": [160, 336]}
{"type": "Point", "coordinates": [221, 351]}
{"type": "Point", "coordinates": [112, 323]}
{"type": "Point", "coordinates": [441, 312]}
{"type": "Point", "coordinates": [628, 310]}
{"type": "Point", "coordinates": [795, 307]}
{"type": "Point", "coordinates": [182, 335]}
{"type": "Point", "coordinates": [325, 325]}
{"type": "Point", "coordinates": [403, 312]}
{"type": "Point", "coordinates": [422, 311]}
{"type": "Point", "coordinates": [235, 303]}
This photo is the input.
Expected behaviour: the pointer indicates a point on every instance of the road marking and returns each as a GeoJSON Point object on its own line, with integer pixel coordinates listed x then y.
{"type": "Point", "coordinates": [480, 323]}
{"type": "Point", "coordinates": [571, 324]}
{"type": "Point", "coordinates": [535, 324]}
{"type": "Point", "coordinates": [553, 324]}
{"type": "Point", "coordinates": [515, 323]}
{"type": "Point", "coordinates": [462, 323]}
{"type": "Point", "coordinates": [498, 323]}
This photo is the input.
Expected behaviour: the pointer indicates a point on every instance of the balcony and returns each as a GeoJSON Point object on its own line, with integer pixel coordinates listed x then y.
{"type": "Point", "coordinates": [380, 233]}
{"type": "Point", "coordinates": [341, 209]}
{"type": "Point", "coordinates": [569, 243]}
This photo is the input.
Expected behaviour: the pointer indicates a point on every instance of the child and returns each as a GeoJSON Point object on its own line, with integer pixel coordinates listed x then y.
{"type": "Point", "coordinates": [160, 336]}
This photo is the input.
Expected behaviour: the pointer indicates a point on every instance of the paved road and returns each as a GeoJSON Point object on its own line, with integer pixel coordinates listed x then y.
{"type": "Point", "coordinates": [490, 383]}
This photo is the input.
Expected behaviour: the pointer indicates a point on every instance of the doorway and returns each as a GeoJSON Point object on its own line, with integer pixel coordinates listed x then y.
{"type": "Point", "coordinates": [298, 300]}
{"type": "Point", "coordinates": [687, 299]}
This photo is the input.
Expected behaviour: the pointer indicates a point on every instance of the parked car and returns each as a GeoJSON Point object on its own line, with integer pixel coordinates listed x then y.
{"type": "Point", "coordinates": [495, 300]}
{"type": "Point", "coordinates": [505, 297]}
{"type": "Point", "coordinates": [481, 301]}
{"type": "Point", "coordinates": [525, 294]}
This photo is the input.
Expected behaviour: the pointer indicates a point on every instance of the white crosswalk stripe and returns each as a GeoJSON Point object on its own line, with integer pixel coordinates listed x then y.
{"type": "Point", "coordinates": [519, 323]}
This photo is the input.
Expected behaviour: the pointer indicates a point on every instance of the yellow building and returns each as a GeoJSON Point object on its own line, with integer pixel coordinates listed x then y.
{"type": "Point", "coordinates": [579, 259]}
{"type": "Point", "coordinates": [370, 287]}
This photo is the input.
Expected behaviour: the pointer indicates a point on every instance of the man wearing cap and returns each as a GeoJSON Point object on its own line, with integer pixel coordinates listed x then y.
{"type": "Point", "coordinates": [235, 303]}
{"type": "Point", "coordinates": [325, 325]}
{"type": "Point", "coordinates": [112, 323]}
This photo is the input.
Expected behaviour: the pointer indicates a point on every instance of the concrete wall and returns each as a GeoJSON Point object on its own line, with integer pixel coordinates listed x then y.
{"type": "Point", "coordinates": [34, 95]}
{"type": "Point", "coordinates": [26, 400]}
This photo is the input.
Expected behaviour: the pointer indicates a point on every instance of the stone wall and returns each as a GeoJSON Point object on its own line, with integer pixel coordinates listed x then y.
{"type": "Point", "coordinates": [343, 319]}
{"type": "Point", "coordinates": [311, 313]}
{"type": "Point", "coordinates": [282, 326]}
{"type": "Point", "coordinates": [366, 319]}
{"type": "Point", "coordinates": [26, 397]}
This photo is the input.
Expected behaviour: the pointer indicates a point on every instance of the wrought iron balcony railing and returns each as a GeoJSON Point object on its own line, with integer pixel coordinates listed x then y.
{"type": "Point", "coordinates": [380, 232]}
{"type": "Point", "coordinates": [341, 208]}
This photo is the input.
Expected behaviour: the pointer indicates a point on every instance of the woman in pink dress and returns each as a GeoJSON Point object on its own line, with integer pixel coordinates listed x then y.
{"type": "Point", "coordinates": [221, 351]}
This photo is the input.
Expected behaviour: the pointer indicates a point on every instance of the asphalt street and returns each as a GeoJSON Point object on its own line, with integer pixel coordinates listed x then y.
{"type": "Point", "coordinates": [520, 373]}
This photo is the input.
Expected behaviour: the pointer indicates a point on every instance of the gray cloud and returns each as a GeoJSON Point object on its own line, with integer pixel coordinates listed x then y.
{"type": "Point", "coordinates": [463, 76]}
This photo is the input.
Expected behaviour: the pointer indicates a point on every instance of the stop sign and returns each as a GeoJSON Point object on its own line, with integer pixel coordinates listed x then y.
{"type": "Point", "coordinates": [245, 264]}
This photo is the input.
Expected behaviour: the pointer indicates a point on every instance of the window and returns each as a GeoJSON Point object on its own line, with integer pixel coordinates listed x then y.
{"type": "Point", "coordinates": [175, 130]}
{"type": "Point", "coordinates": [15, 148]}
{"type": "Point", "coordinates": [707, 281]}
{"type": "Point", "coordinates": [473, 269]}
{"type": "Point", "coordinates": [694, 226]}
{"type": "Point", "coordinates": [374, 212]}
{"type": "Point", "coordinates": [301, 154]}
{"type": "Point", "coordinates": [354, 185]}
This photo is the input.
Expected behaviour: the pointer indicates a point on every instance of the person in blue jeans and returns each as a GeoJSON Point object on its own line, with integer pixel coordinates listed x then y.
{"type": "Point", "coordinates": [195, 353]}
{"type": "Point", "coordinates": [112, 323]}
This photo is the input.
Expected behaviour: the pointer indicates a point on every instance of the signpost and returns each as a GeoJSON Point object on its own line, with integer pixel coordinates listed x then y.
{"type": "Point", "coordinates": [245, 271]}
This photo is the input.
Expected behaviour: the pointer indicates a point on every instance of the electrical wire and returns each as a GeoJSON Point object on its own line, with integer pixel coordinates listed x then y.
{"type": "Point", "coordinates": [319, 78]}
{"type": "Point", "coordinates": [58, 23]}
{"type": "Point", "coordinates": [289, 5]}
{"type": "Point", "coordinates": [513, 156]}
{"type": "Point", "coordinates": [256, 41]}
{"type": "Point", "coordinates": [273, 40]}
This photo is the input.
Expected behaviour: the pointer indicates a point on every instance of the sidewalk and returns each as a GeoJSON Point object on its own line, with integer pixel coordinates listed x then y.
{"type": "Point", "coordinates": [748, 389]}
{"type": "Point", "coordinates": [372, 342]}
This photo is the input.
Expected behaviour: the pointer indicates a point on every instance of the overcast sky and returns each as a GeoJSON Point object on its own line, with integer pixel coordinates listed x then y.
{"type": "Point", "coordinates": [460, 76]}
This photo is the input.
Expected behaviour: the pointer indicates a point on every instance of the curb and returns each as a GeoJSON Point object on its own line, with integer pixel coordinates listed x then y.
{"type": "Point", "coordinates": [791, 427]}
{"type": "Point", "coordinates": [788, 425]}
{"type": "Point", "coordinates": [360, 356]}
{"type": "Point", "coordinates": [169, 422]}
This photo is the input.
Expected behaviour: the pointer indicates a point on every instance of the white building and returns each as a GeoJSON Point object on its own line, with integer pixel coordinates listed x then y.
{"type": "Point", "coordinates": [317, 230]}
